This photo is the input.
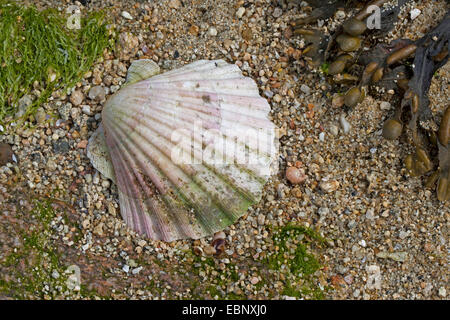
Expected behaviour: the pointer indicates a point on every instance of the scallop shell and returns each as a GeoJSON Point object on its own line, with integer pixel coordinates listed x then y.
{"type": "Point", "coordinates": [189, 150]}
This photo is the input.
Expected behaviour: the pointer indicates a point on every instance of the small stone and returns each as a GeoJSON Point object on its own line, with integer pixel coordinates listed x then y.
{"type": "Point", "coordinates": [261, 219]}
{"type": "Point", "coordinates": [98, 230]}
{"type": "Point", "coordinates": [212, 31]}
{"type": "Point", "coordinates": [334, 130]}
{"type": "Point", "coordinates": [322, 136]}
{"type": "Point", "coordinates": [61, 147]}
{"type": "Point", "coordinates": [127, 15]}
{"type": "Point", "coordinates": [370, 214]}
{"type": "Point", "coordinates": [6, 154]}
{"type": "Point", "coordinates": [64, 111]}
{"type": "Point", "coordinates": [126, 268]}
{"type": "Point", "coordinates": [82, 144]}
{"type": "Point", "coordinates": [40, 116]}
{"type": "Point", "coordinates": [97, 93]}
{"type": "Point", "coordinates": [51, 165]}
{"type": "Point", "coordinates": [77, 97]}
{"type": "Point", "coordinates": [136, 270]}
{"type": "Point", "coordinates": [362, 243]}
{"type": "Point", "coordinates": [209, 250]}
{"type": "Point", "coordinates": [254, 280]}
{"type": "Point", "coordinates": [337, 101]}
{"type": "Point", "coordinates": [329, 186]}
{"type": "Point", "coordinates": [55, 274]}
{"type": "Point", "coordinates": [174, 4]}
{"type": "Point", "coordinates": [305, 89]}
{"type": "Point", "coordinates": [194, 30]}
{"type": "Point", "coordinates": [277, 98]}
{"type": "Point", "coordinates": [385, 105]}
{"type": "Point", "coordinates": [86, 109]}
{"type": "Point", "coordinates": [442, 292]}
{"type": "Point", "coordinates": [240, 12]}
{"type": "Point", "coordinates": [344, 123]}
{"type": "Point", "coordinates": [414, 13]}
{"type": "Point", "coordinates": [23, 103]}
{"type": "Point", "coordinates": [396, 256]}
{"type": "Point", "coordinates": [277, 12]}
{"type": "Point", "coordinates": [295, 175]}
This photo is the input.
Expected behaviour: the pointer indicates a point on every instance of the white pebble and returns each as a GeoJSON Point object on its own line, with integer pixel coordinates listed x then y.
{"type": "Point", "coordinates": [212, 31]}
{"type": "Point", "coordinates": [415, 13]}
{"type": "Point", "coordinates": [344, 123]}
{"type": "Point", "coordinates": [240, 12]}
{"type": "Point", "coordinates": [127, 15]}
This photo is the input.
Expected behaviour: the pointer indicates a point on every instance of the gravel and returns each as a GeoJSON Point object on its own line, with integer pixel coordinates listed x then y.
{"type": "Point", "coordinates": [387, 235]}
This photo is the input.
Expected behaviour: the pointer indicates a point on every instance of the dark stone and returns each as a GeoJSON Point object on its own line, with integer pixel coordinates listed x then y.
{"type": "Point", "coordinates": [61, 147]}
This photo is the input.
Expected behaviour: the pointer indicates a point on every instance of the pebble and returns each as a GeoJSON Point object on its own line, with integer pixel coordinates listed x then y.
{"type": "Point", "coordinates": [254, 280]}
{"type": "Point", "coordinates": [442, 292]}
{"type": "Point", "coordinates": [344, 123]}
{"type": "Point", "coordinates": [86, 109]}
{"type": "Point", "coordinates": [64, 111]}
{"type": "Point", "coordinates": [126, 268]}
{"type": "Point", "coordinates": [174, 4]}
{"type": "Point", "coordinates": [97, 93]}
{"type": "Point", "coordinates": [329, 186]}
{"type": "Point", "coordinates": [305, 89]}
{"type": "Point", "coordinates": [277, 12]}
{"type": "Point", "coordinates": [384, 105]}
{"type": "Point", "coordinates": [295, 175]}
{"type": "Point", "coordinates": [127, 15]}
{"type": "Point", "coordinates": [77, 97]}
{"type": "Point", "coordinates": [414, 13]}
{"type": "Point", "coordinates": [396, 256]}
{"type": "Point", "coordinates": [212, 31]}
{"type": "Point", "coordinates": [240, 12]}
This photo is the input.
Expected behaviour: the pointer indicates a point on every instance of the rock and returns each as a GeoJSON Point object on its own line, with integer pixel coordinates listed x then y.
{"type": "Point", "coordinates": [334, 130]}
{"type": "Point", "coordinates": [98, 230]}
{"type": "Point", "coordinates": [277, 12]}
{"type": "Point", "coordinates": [128, 45]}
{"type": "Point", "coordinates": [64, 111]}
{"type": "Point", "coordinates": [414, 13]}
{"type": "Point", "coordinates": [82, 144]}
{"type": "Point", "coordinates": [51, 165]}
{"type": "Point", "coordinates": [374, 277]}
{"type": "Point", "coordinates": [212, 31]}
{"type": "Point", "coordinates": [344, 123]}
{"type": "Point", "coordinates": [40, 116]}
{"type": "Point", "coordinates": [254, 280]}
{"type": "Point", "coordinates": [305, 89]}
{"type": "Point", "coordinates": [23, 105]}
{"type": "Point", "coordinates": [400, 256]}
{"type": "Point", "coordinates": [97, 93]}
{"type": "Point", "coordinates": [261, 219]}
{"type": "Point", "coordinates": [127, 15]}
{"type": "Point", "coordinates": [384, 105]}
{"type": "Point", "coordinates": [442, 292]}
{"type": "Point", "coordinates": [277, 98]}
{"type": "Point", "coordinates": [75, 114]}
{"type": "Point", "coordinates": [295, 175]}
{"type": "Point", "coordinates": [77, 97]}
{"type": "Point", "coordinates": [86, 109]}
{"type": "Point", "coordinates": [136, 270]}
{"type": "Point", "coordinates": [209, 250]}
{"type": "Point", "coordinates": [6, 154]}
{"type": "Point", "coordinates": [338, 100]}
{"type": "Point", "coordinates": [370, 214]}
{"type": "Point", "coordinates": [126, 268]}
{"type": "Point", "coordinates": [329, 186]}
{"type": "Point", "coordinates": [174, 4]}
{"type": "Point", "coordinates": [240, 12]}
{"type": "Point", "coordinates": [61, 147]}
{"type": "Point", "coordinates": [194, 30]}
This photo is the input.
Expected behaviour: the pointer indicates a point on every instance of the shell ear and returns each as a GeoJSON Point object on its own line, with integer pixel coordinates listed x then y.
{"type": "Point", "coordinates": [141, 70]}
{"type": "Point", "coordinates": [97, 152]}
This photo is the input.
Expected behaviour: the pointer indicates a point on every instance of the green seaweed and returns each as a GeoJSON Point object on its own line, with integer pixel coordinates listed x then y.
{"type": "Point", "coordinates": [35, 44]}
